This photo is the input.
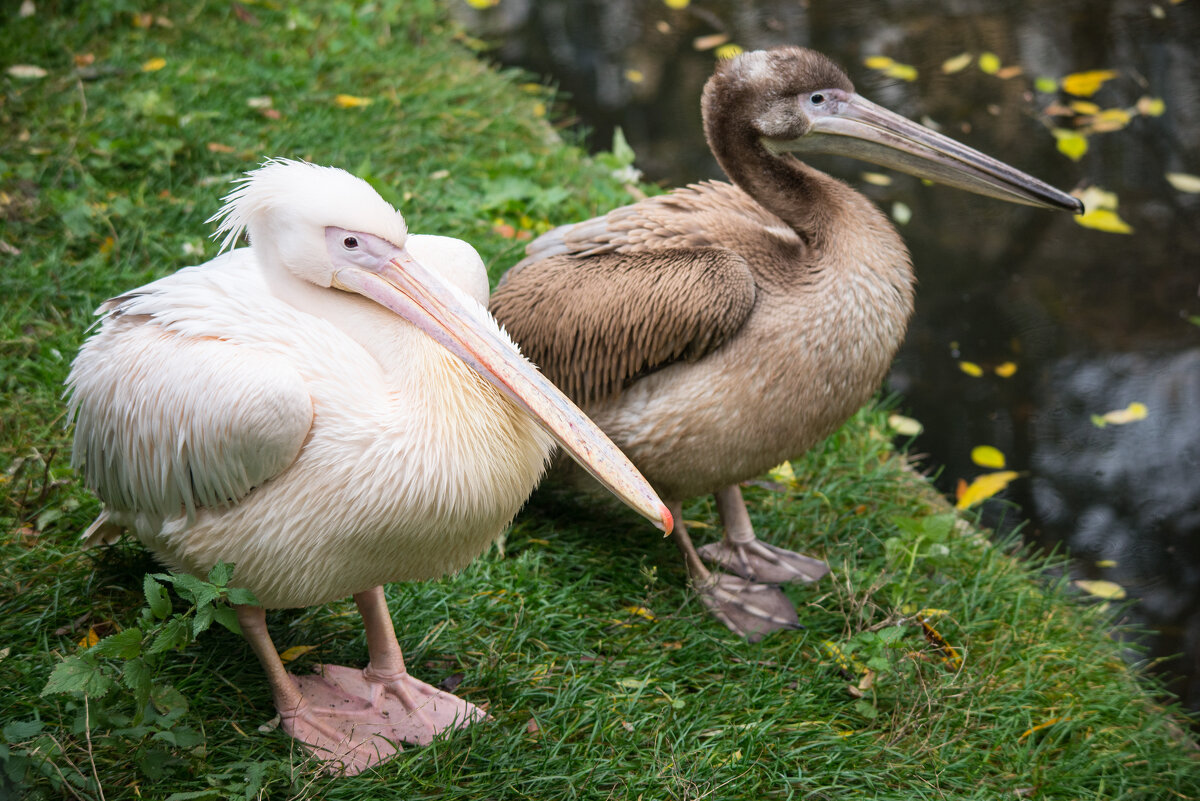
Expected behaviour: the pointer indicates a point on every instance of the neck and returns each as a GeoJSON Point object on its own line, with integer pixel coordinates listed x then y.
{"type": "Point", "coordinates": [794, 192]}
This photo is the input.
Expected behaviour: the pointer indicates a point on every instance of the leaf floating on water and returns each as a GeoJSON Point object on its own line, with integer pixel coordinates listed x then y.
{"type": "Point", "coordinates": [892, 68]}
{"type": "Point", "coordinates": [983, 487]}
{"type": "Point", "coordinates": [1105, 220]}
{"type": "Point", "coordinates": [1011, 71]}
{"type": "Point", "coordinates": [987, 456]}
{"type": "Point", "coordinates": [971, 368]}
{"type": "Point", "coordinates": [1119, 417]}
{"type": "Point", "coordinates": [1106, 563]}
{"type": "Point", "coordinates": [1071, 144]}
{"type": "Point", "coordinates": [1151, 106]}
{"type": "Point", "coordinates": [1085, 84]}
{"type": "Point", "coordinates": [877, 178]}
{"type": "Point", "coordinates": [1006, 370]}
{"type": "Point", "coordinates": [905, 426]}
{"type": "Point", "coordinates": [1045, 85]}
{"type": "Point", "coordinates": [1184, 182]}
{"type": "Point", "coordinates": [1108, 590]}
{"type": "Point", "coordinates": [1109, 120]}
{"type": "Point", "coordinates": [956, 64]}
{"type": "Point", "coordinates": [1084, 107]}
{"type": "Point", "coordinates": [989, 63]}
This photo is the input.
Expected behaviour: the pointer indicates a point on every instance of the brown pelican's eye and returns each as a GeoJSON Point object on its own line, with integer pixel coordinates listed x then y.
{"type": "Point", "coordinates": [817, 99]}
{"type": "Point", "coordinates": [350, 243]}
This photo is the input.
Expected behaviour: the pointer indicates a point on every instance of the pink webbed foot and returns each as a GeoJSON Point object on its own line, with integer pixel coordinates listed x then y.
{"type": "Point", "coordinates": [352, 719]}
{"type": "Point", "coordinates": [748, 609]}
{"type": "Point", "coordinates": [760, 561]}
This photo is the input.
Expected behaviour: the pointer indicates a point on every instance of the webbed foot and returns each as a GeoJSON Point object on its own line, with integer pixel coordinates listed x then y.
{"type": "Point", "coordinates": [747, 608]}
{"type": "Point", "coordinates": [760, 561]}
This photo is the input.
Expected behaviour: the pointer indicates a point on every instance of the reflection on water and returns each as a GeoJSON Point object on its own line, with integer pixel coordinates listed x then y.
{"type": "Point", "coordinates": [1093, 321]}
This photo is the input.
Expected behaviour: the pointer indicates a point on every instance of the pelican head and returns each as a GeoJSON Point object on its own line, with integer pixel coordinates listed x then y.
{"type": "Point", "coordinates": [333, 230]}
{"type": "Point", "coordinates": [796, 100]}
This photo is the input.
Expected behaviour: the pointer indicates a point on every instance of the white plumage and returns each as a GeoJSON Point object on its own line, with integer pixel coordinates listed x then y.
{"type": "Point", "coordinates": [322, 441]}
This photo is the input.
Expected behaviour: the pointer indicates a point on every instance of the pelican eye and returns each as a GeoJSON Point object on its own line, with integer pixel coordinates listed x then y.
{"type": "Point", "coordinates": [350, 243]}
{"type": "Point", "coordinates": [817, 99]}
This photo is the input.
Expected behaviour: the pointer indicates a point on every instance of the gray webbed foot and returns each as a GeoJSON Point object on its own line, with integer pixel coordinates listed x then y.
{"type": "Point", "coordinates": [748, 609]}
{"type": "Point", "coordinates": [760, 561]}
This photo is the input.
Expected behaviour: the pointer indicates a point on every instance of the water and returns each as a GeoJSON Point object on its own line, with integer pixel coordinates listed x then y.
{"type": "Point", "coordinates": [1093, 321]}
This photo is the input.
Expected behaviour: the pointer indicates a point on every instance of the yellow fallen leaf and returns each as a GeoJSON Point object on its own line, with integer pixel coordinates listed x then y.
{"type": "Point", "coordinates": [710, 41]}
{"type": "Point", "coordinates": [26, 71]}
{"type": "Point", "coordinates": [956, 64]}
{"type": "Point", "coordinates": [1085, 84]}
{"type": "Point", "coordinates": [984, 487]}
{"type": "Point", "coordinates": [89, 639]}
{"type": "Point", "coordinates": [350, 101]}
{"type": "Point", "coordinates": [154, 65]}
{"type": "Point", "coordinates": [1104, 220]}
{"type": "Point", "coordinates": [295, 652]}
{"type": "Point", "coordinates": [904, 426]}
{"type": "Point", "coordinates": [482, 4]}
{"type": "Point", "coordinates": [1096, 198]}
{"type": "Point", "coordinates": [1119, 417]}
{"type": "Point", "coordinates": [676, 4]}
{"type": "Point", "coordinates": [783, 473]}
{"type": "Point", "coordinates": [1108, 590]}
{"type": "Point", "coordinates": [1151, 106]}
{"type": "Point", "coordinates": [878, 62]}
{"type": "Point", "coordinates": [987, 456]}
{"type": "Point", "coordinates": [728, 51]}
{"type": "Point", "coordinates": [1071, 144]}
{"type": "Point", "coordinates": [635, 76]}
{"type": "Point", "coordinates": [989, 63]}
{"type": "Point", "coordinates": [971, 368]}
{"type": "Point", "coordinates": [1005, 370]}
{"type": "Point", "coordinates": [1184, 182]}
{"type": "Point", "coordinates": [877, 178]}
{"type": "Point", "coordinates": [1109, 120]}
{"type": "Point", "coordinates": [1106, 563]}
{"type": "Point", "coordinates": [1011, 71]}
{"type": "Point", "coordinates": [640, 611]}
{"type": "Point", "coordinates": [891, 67]}
{"type": "Point", "coordinates": [1084, 107]}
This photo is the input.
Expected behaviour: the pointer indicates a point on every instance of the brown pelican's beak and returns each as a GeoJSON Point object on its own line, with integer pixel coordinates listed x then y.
{"type": "Point", "coordinates": [391, 277]}
{"type": "Point", "coordinates": [850, 125]}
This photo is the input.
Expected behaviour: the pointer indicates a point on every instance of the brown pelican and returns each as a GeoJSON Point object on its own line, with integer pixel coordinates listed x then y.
{"type": "Point", "coordinates": [719, 329]}
{"type": "Point", "coordinates": [324, 442]}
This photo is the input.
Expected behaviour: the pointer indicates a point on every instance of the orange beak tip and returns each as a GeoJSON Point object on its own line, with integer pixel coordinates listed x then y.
{"type": "Point", "coordinates": [667, 520]}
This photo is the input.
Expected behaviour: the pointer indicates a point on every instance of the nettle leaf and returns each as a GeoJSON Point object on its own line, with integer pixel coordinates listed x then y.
{"type": "Point", "coordinates": [77, 674]}
{"type": "Point", "coordinates": [220, 574]}
{"type": "Point", "coordinates": [204, 619]}
{"type": "Point", "coordinates": [156, 597]}
{"type": "Point", "coordinates": [227, 617]}
{"type": "Point", "coordinates": [123, 645]}
{"type": "Point", "coordinates": [891, 634]}
{"type": "Point", "coordinates": [138, 677]}
{"type": "Point", "coordinates": [198, 591]}
{"type": "Point", "coordinates": [241, 596]}
{"type": "Point", "coordinates": [19, 730]}
{"type": "Point", "coordinates": [175, 634]}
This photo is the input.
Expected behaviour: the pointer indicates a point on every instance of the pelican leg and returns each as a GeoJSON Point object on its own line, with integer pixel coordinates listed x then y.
{"type": "Point", "coordinates": [372, 710]}
{"type": "Point", "coordinates": [745, 554]}
{"type": "Point", "coordinates": [747, 608]}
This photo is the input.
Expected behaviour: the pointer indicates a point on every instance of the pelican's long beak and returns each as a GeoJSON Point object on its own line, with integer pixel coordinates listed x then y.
{"type": "Point", "coordinates": [399, 282]}
{"type": "Point", "coordinates": [858, 128]}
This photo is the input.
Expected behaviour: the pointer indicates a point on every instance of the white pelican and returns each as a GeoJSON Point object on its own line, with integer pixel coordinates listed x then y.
{"type": "Point", "coordinates": [324, 441]}
{"type": "Point", "coordinates": [717, 330]}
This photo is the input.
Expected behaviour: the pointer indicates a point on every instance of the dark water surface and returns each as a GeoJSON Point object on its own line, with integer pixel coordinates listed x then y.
{"type": "Point", "coordinates": [1092, 320]}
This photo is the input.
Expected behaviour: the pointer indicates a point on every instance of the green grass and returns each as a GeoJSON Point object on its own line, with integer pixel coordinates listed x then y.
{"type": "Point", "coordinates": [604, 677]}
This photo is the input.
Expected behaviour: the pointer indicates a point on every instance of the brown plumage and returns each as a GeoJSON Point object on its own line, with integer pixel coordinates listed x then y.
{"type": "Point", "coordinates": [717, 330]}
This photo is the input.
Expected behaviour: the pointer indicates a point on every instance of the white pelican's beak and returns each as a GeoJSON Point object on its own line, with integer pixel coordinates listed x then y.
{"type": "Point", "coordinates": [390, 276]}
{"type": "Point", "coordinates": [848, 124]}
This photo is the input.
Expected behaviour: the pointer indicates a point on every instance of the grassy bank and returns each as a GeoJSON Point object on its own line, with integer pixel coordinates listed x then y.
{"type": "Point", "coordinates": [933, 665]}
